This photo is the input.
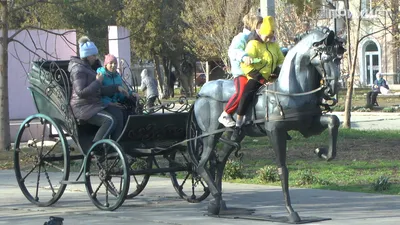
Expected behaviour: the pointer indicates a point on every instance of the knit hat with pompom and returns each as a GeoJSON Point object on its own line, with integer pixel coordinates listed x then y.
{"type": "Point", "coordinates": [87, 47]}
{"type": "Point", "coordinates": [109, 58]}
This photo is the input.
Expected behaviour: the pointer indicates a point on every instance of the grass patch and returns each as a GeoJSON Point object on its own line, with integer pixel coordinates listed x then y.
{"type": "Point", "coordinates": [371, 177]}
{"type": "Point", "coordinates": [358, 102]}
{"type": "Point", "coordinates": [364, 159]}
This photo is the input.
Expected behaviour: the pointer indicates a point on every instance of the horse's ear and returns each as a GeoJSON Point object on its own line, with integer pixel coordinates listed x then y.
{"type": "Point", "coordinates": [330, 39]}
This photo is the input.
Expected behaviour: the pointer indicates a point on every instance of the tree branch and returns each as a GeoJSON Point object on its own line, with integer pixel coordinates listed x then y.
{"type": "Point", "coordinates": [62, 35]}
{"type": "Point", "coordinates": [11, 38]}
{"type": "Point", "coordinates": [25, 6]}
{"type": "Point", "coordinates": [26, 47]}
{"type": "Point", "coordinates": [375, 32]}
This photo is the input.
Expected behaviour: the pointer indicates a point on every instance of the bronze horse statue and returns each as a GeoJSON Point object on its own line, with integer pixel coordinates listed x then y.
{"type": "Point", "coordinates": [308, 81]}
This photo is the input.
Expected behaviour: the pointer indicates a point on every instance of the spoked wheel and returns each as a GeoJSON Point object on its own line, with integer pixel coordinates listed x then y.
{"type": "Point", "coordinates": [106, 175]}
{"type": "Point", "coordinates": [191, 186]}
{"type": "Point", "coordinates": [41, 162]}
{"type": "Point", "coordinates": [139, 163]}
{"type": "Point", "coordinates": [188, 184]}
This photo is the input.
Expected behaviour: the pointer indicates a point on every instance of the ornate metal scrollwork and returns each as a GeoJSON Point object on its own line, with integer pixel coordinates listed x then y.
{"type": "Point", "coordinates": [178, 106]}
{"type": "Point", "coordinates": [54, 82]}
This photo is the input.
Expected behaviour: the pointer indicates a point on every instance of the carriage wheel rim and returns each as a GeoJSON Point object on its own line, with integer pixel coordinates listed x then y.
{"type": "Point", "coordinates": [106, 182]}
{"type": "Point", "coordinates": [56, 195]}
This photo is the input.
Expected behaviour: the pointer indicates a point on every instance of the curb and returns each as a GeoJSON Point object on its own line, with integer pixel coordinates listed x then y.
{"type": "Point", "coordinates": [367, 114]}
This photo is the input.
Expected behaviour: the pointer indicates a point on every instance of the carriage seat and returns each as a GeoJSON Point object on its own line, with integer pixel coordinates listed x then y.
{"type": "Point", "coordinates": [61, 75]}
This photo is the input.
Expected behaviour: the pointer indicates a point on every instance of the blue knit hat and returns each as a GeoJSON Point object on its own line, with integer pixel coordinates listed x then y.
{"type": "Point", "coordinates": [86, 47]}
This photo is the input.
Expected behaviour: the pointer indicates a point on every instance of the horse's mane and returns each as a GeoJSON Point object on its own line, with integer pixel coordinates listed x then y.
{"type": "Point", "coordinates": [300, 36]}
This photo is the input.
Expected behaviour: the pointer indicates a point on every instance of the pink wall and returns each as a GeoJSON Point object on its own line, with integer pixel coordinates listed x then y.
{"type": "Point", "coordinates": [19, 64]}
{"type": "Point", "coordinates": [119, 45]}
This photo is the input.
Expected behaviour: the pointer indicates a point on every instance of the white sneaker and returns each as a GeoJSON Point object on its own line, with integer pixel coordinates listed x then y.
{"type": "Point", "coordinates": [226, 120]}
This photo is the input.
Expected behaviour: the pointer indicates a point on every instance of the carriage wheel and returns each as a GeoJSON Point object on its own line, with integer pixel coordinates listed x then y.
{"type": "Point", "coordinates": [140, 180]}
{"type": "Point", "coordinates": [198, 190]}
{"type": "Point", "coordinates": [41, 162]}
{"type": "Point", "coordinates": [188, 184]}
{"type": "Point", "coordinates": [106, 175]}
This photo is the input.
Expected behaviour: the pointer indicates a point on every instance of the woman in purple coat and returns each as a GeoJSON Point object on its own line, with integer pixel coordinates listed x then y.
{"type": "Point", "coordinates": [87, 91]}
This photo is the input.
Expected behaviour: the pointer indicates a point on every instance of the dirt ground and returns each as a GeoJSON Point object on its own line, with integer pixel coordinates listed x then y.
{"type": "Point", "coordinates": [363, 149]}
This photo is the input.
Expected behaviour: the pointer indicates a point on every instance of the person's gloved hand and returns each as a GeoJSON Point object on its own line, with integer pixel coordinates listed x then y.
{"type": "Point", "coordinates": [274, 75]}
{"type": "Point", "coordinates": [277, 71]}
{"type": "Point", "coordinates": [261, 79]}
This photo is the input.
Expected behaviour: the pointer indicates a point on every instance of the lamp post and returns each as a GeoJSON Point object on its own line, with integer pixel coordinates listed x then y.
{"type": "Point", "coordinates": [267, 8]}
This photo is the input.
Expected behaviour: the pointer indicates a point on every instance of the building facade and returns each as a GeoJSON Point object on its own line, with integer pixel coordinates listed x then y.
{"type": "Point", "coordinates": [376, 49]}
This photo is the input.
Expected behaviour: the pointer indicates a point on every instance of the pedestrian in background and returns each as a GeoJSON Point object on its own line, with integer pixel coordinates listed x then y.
{"type": "Point", "coordinates": [149, 84]}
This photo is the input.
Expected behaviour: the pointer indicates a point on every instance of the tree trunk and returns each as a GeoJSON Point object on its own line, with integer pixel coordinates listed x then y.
{"type": "Point", "coordinates": [183, 79]}
{"type": "Point", "coordinates": [395, 33]}
{"type": "Point", "coordinates": [352, 66]}
{"type": "Point", "coordinates": [5, 142]}
{"type": "Point", "coordinates": [158, 75]}
{"type": "Point", "coordinates": [167, 78]}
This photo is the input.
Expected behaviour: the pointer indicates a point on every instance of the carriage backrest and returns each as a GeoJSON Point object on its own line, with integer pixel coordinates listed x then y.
{"type": "Point", "coordinates": [155, 130]}
{"type": "Point", "coordinates": [51, 91]}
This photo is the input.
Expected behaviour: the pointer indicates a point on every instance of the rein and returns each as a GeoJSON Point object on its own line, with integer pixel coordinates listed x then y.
{"type": "Point", "coordinates": [295, 94]}
{"type": "Point", "coordinates": [323, 85]}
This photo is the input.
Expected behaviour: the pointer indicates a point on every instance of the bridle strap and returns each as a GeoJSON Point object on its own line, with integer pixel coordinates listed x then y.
{"type": "Point", "coordinates": [304, 93]}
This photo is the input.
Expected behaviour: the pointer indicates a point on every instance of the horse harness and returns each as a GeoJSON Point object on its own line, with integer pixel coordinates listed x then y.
{"type": "Point", "coordinates": [289, 114]}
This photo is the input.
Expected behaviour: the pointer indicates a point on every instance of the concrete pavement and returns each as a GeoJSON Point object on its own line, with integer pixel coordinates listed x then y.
{"type": "Point", "coordinates": [372, 120]}
{"type": "Point", "coordinates": [159, 204]}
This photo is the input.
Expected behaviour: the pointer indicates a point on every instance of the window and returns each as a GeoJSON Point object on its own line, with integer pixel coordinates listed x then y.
{"type": "Point", "coordinates": [366, 5]}
{"type": "Point", "coordinates": [370, 9]}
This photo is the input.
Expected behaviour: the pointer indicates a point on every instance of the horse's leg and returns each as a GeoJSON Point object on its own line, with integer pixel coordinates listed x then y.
{"type": "Point", "coordinates": [331, 122]}
{"type": "Point", "coordinates": [208, 146]}
{"type": "Point", "coordinates": [222, 158]}
{"type": "Point", "coordinates": [278, 140]}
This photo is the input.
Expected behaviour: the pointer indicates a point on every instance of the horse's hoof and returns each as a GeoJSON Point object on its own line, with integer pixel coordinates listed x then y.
{"type": "Point", "coordinates": [223, 205]}
{"type": "Point", "coordinates": [213, 208]}
{"type": "Point", "coordinates": [320, 152]}
{"type": "Point", "coordinates": [323, 154]}
{"type": "Point", "coordinates": [294, 217]}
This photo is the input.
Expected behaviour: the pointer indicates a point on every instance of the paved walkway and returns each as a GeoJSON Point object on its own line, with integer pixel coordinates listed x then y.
{"type": "Point", "coordinates": [372, 120]}
{"type": "Point", "coordinates": [159, 204]}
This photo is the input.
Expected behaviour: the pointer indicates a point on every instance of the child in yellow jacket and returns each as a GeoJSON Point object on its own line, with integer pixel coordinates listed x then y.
{"type": "Point", "coordinates": [261, 44]}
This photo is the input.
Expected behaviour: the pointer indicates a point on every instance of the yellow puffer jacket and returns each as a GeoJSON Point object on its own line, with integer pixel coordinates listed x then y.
{"type": "Point", "coordinates": [270, 55]}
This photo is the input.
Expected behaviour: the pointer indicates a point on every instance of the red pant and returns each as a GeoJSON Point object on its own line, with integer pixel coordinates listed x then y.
{"type": "Point", "coordinates": [240, 82]}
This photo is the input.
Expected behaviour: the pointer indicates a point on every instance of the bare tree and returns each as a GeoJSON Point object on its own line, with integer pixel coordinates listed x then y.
{"type": "Point", "coordinates": [354, 38]}
{"type": "Point", "coordinates": [8, 7]}
{"type": "Point", "coordinates": [5, 142]}
{"type": "Point", "coordinates": [213, 24]}
{"type": "Point", "coordinates": [290, 23]}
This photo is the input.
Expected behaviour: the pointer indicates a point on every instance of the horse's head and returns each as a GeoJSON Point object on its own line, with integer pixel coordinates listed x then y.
{"type": "Point", "coordinates": [326, 53]}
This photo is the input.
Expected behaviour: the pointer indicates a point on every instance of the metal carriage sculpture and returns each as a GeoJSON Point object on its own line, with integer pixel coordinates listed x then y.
{"type": "Point", "coordinates": [113, 171]}
{"type": "Point", "coordinates": [307, 82]}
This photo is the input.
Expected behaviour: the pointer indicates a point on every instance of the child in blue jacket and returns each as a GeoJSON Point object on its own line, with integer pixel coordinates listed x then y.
{"type": "Point", "coordinates": [112, 78]}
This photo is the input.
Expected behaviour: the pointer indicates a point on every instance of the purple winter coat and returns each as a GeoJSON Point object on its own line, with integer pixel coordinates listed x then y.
{"type": "Point", "coordinates": [86, 90]}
